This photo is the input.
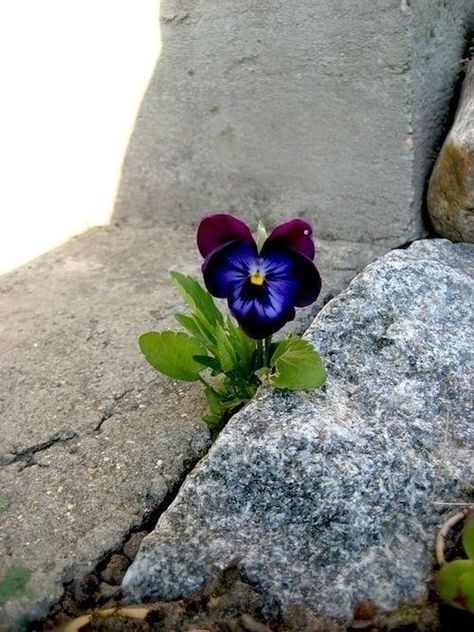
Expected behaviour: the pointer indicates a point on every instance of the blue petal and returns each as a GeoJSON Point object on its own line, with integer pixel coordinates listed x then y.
{"type": "Point", "coordinates": [227, 268]}
{"type": "Point", "coordinates": [260, 317]}
{"type": "Point", "coordinates": [292, 276]}
{"type": "Point", "coordinates": [262, 310]}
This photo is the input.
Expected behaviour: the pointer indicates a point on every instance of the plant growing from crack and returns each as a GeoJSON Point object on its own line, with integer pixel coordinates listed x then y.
{"type": "Point", "coordinates": [14, 583]}
{"type": "Point", "coordinates": [454, 582]}
{"type": "Point", "coordinates": [263, 281]}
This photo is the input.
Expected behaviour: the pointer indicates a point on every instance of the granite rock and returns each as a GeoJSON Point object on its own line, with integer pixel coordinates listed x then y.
{"type": "Point", "coordinates": [332, 498]}
{"type": "Point", "coordinates": [451, 188]}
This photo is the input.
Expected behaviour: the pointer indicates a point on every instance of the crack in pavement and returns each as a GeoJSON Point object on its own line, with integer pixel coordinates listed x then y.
{"type": "Point", "coordinates": [27, 456]}
{"type": "Point", "coordinates": [113, 408]}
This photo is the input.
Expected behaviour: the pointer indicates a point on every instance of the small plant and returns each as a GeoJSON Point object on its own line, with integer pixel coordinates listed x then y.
{"type": "Point", "coordinates": [454, 582]}
{"type": "Point", "coordinates": [263, 281]}
{"type": "Point", "coordinates": [14, 582]}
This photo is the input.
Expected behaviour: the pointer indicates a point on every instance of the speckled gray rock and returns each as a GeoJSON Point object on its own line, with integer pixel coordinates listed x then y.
{"type": "Point", "coordinates": [451, 188]}
{"type": "Point", "coordinates": [331, 498]}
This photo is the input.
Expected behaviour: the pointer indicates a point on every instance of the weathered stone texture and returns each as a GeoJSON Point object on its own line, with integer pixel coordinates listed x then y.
{"type": "Point", "coordinates": [326, 109]}
{"type": "Point", "coordinates": [328, 499]}
{"type": "Point", "coordinates": [451, 189]}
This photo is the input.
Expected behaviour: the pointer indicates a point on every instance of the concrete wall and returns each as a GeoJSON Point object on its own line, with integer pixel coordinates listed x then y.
{"type": "Point", "coordinates": [329, 109]}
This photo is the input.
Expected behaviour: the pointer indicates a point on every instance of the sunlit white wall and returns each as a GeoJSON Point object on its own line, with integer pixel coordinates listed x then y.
{"type": "Point", "coordinates": [72, 75]}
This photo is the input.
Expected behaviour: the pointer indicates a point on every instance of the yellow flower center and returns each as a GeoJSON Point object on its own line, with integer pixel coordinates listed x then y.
{"type": "Point", "coordinates": [257, 278]}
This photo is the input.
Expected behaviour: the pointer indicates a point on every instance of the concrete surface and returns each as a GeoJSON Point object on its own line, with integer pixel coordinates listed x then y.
{"type": "Point", "coordinates": [328, 109]}
{"type": "Point", "coordinates": [331, 499]}
{"type": "Point", "coordinates": [92, 439]}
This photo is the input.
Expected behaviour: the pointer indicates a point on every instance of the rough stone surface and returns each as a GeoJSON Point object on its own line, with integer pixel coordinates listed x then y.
{"type": "Point", "coordinates": [451, 188]}
{"type": "Point", "coordinates": [328, 109]}
{"type": "Point", "coordinates": [331, 499]}
{"type": "Point", "coordinates": [92, 440]}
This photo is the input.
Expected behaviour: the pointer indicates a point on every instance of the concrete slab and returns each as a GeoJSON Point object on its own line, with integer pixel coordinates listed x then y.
{"type": "Point", "coordinates": [92, 439]}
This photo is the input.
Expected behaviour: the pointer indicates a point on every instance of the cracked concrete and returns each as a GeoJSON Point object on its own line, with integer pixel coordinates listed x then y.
{"type": "Point", "coordinates": [92, 440]}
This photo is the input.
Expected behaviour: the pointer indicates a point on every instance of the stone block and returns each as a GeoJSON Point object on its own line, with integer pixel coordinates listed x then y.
{"type": "Point", "coordinates": [330, 110]}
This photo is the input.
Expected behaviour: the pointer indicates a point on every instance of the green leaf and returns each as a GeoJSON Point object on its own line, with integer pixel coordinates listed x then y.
{"type": "Point", "coordinates": [14, 582]}
{"type": "Point", "coordinates": [226, 351]}
{"type": "Point", "coordinates": [4, 503]}
{"type": "Point", "coordinates": [197, 330]}
{"type": "Point", "coordinates": [468, 536]}
{"type": "Point", "coordinates": [213, 401]}
{"type": "Point", "coordinates": [212, 420]}
{"type": "Point", "coordinates": [296, 365]}
{"type": "Point", "coordinates": [465, 591]}
{"type": "Point", "coordinates": [197, 297]}
{"type": "Point", "coordinates": [189, 323]}
{"type": "Point", "coordinates": [446, 579]}
{"type": "Point", "coordinates": [209, 362]}
{"type": "Point", "coordinates": [244, 347]}
{"type": "Point", "coordinates": [173, 354]}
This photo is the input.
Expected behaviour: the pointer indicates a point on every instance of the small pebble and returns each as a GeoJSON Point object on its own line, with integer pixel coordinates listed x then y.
{"type": "Point", "coordinates": [84, 590]}
{"type": "Point", "coordinates": [133, 544]}
{"type": "Point", "coordinates": [109, 592]}
{"type": "Point", "coordinates": [115, 569]}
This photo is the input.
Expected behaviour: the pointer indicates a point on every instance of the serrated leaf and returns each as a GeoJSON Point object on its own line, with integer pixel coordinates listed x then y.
{"type": "Point", "coordinates": [446, 579]}
{"type": "Point", "coordinates": [296, 365]}
{"type": "Point", "coordinates": [465, 591]}
{"type": "Point", "coordinates": [197, 298]}
{"type": "Point", "coordinates": [468, 536]}
{"type": "Point", "coordinates": [173, 354]}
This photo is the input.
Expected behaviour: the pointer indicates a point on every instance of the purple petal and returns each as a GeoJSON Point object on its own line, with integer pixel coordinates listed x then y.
{"type": "Point", "coordinates": [228, 267]}
{"type": "Point", "coordinates": [218, 229]}
{"type": "Point", "coordinates": [309, 280]}
{"type": "Point", "coordinates": [296, 234]}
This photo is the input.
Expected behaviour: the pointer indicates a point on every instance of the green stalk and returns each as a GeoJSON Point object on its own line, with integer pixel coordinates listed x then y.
{"type": "Point", "coordinates": [268, 350]}
{"type": "Point", "coordinates": [260, 354]}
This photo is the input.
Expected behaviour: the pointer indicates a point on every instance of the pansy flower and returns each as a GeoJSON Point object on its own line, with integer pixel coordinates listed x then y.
{"type": "Point", "coordinates": [262, 287]}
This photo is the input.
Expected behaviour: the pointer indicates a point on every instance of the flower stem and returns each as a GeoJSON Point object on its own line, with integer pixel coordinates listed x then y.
{"type": "Point", "coordinates": [260, 354]}
{"type": "Point", "coordinates": [268, 350]}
